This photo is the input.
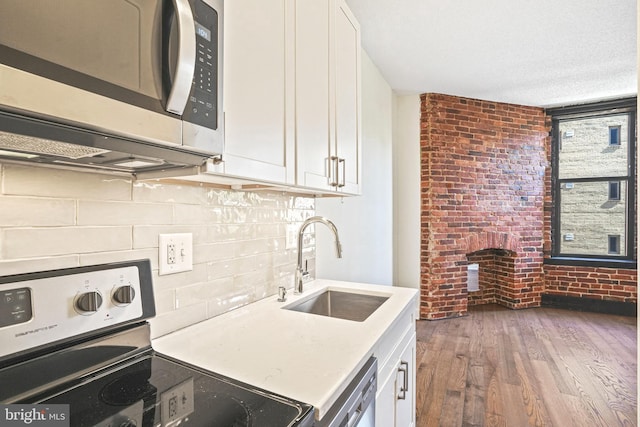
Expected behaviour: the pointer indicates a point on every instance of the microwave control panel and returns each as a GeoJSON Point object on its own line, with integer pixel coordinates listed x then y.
{"type": "Point", "coordinates": [202, 108]}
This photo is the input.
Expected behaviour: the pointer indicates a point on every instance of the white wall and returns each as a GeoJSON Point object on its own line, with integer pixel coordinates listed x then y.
{"type": "Point", "coordinates": [406, 190]}
{"type": "Point", "coordinates": [365, 223]}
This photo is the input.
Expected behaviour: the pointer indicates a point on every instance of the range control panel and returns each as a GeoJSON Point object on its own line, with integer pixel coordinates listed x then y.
{"type": "Point", "coordinates": [43, 310]}
{"type": "Point", "coordinates": [15, 306]}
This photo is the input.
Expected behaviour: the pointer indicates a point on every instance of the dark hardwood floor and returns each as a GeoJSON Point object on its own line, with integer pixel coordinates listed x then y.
{"type": "Point", "coordinates": [532, 367]}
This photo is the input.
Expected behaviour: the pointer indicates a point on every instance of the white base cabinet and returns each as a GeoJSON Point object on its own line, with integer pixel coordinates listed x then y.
{"type": "Point", "coordinates": [396, 395]}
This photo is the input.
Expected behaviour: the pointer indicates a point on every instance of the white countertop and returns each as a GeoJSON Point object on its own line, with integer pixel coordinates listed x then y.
{"type": "Point", "coordinates": [306, 357]}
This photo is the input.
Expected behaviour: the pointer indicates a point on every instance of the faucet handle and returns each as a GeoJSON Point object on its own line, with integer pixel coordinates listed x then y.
{"type": "Point", "coordinates": [282, 294]}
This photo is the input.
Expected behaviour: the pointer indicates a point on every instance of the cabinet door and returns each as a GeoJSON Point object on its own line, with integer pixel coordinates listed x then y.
{"type": "Point", "coordinates": [257, 88]}
{"type": "Point", "coordinates": [386, 402]}
{"type": "Point", "coordinates": [405, 387]}
{"type": "Point", "coordinates": [312, 93]}
{"type": "Point", "coordinates": [327, 96]}
{"type": "Point", "coordinates": [347, 99]}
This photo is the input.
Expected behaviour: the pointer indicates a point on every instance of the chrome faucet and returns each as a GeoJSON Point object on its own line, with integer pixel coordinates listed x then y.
{"type": "Point", "coordinates": [299, 271]}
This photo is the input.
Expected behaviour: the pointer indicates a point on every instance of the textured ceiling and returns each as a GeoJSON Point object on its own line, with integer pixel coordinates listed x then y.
{"type": "Point", "coordinates": [528, 52]}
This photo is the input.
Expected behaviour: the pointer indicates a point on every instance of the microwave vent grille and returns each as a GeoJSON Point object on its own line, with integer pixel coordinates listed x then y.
{"type": "Point", "coordinates": [42, 146]}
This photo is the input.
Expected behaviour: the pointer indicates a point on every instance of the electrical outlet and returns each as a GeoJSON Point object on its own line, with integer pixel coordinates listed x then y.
{"type": "Point", "coordinates": [175, 253]}
{"type": "Point", "coordinates": [171, 253]}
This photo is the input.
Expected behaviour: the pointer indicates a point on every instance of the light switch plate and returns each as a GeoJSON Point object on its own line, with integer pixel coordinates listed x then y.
{"type": "Point", "coordinates": [175, 253]}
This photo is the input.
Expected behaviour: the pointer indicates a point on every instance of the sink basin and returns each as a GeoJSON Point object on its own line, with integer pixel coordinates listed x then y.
{"type": "Point", "coordinates": [342, 305]}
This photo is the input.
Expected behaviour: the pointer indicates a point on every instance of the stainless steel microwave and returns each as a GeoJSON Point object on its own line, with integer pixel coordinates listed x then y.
{"type": "Point", "coordinates": [126, 85]}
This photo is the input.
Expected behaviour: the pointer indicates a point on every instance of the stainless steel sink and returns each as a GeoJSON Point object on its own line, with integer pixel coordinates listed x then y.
{"type": "Point", "coordinates": [343, 305]}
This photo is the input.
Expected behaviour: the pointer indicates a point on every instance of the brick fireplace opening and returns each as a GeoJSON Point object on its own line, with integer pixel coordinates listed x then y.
{"type": "Point", "coordinates": [482, 202]}
{"type": "Point", "coordinates": [496, 276]}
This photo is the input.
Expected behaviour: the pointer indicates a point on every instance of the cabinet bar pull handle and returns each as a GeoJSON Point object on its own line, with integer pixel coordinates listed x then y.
{"type": "Point", "coordinates": [344, 173]}
{"type": "Point", "coordinates": [404, 368]}
{"type": "Point", "coordinates": [333, 167]}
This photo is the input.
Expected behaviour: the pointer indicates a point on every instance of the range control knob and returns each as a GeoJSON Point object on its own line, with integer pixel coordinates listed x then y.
{"type": "Point", "coordinates": [123, 295]}
{"type": "Point", "coordinates": [89, 302]}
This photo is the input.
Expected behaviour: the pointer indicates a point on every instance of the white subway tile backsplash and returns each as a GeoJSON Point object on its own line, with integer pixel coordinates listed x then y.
{"type": "Point", "coordinates": [302, 203]}
{"type": "Point", "coordinates": [107, 257]}
{"type": "Point", "coordinates": [51, 182]}
{"type": "Point", "coordinates": [28, 265]}
{"type": "Point", "coordinates": [34, 212]}
{"type": "Point", "coordinates": [252, 247]}
{"type": "Point", "coordinates": [243, 265]}
{"type": "Point", "coordinates": [165, 300]}
{"type": "Point", "coordinates": [146, 236]}
{"type": "Point", "coordinates": [229, 301]}
{"type": "Point", "coordinates": [91, 212]}
{"type": "Point", "coordinates": [53, 218]}
{"type": "Point", "coordinates": [156, 191]}
{"type": "Point", "coordinates": [257, 280]}
{"type": "Point", "coordinates": [275, 229]}
{"type": "Point", "coordinates": [217, 251]}
{"type": "Point", "coordinates": [170, 321]}
{"type": "Point", "coordinates": [197, 215]}
{"type": "Point", "coordinates": [177, 280]}
{"type": "Point", "coordinates": [286, 257]}
{"type": "Point", "coordinates": [219, 269]}
{"type": "Point", "coordinates": [195, 294]}
{"type": "Point", "coordinates": [39, 242]}
{"type": "Point", "coordinates": [231, 232]}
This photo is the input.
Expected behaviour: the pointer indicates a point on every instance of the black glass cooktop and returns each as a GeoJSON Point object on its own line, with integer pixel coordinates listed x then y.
{"type": "Point", "coordinates": [154, 391]}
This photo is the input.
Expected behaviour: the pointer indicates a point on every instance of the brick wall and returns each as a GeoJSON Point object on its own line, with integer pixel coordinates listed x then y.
{"type": "Point", "coordinates": [483, 182]}
{"type": "Point", "coordinates": [610, 284]}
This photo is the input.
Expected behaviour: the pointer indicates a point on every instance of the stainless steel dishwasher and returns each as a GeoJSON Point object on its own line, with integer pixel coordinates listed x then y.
{"type": "Point", "coordinates": [356, 405]}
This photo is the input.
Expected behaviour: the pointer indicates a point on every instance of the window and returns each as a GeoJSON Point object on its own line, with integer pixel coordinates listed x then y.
{"type": "Point", "coordinates": [614, 244]}
{"type": "Point", "coordinates": [614, 135]}
{"type": "Point", "coordinates": [614, 190]}
{"type": "Point", "coordinates": [593, 175]}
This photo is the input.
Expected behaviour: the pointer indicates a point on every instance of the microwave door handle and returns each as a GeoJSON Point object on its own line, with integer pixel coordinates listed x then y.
{"type": "Point", "coordinates": [186, 58]}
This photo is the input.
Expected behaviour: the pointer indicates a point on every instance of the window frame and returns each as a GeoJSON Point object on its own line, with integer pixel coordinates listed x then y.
{"type": "Point", "coordinates": [617, 196]}
{"type": "Point", "coordinates": [623, 106]}
{"type": "Point", "coordinates": [618, 140]}
{"type": "Point", "coordinates": [616, 250]}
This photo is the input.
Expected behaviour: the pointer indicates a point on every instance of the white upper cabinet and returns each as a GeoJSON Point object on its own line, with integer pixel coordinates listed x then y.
{"type": "Point", "coordinates": [257, 83]}
{"type": "Point", "coordinates": [347, 99]}
{"type": "Point", "coordinates": [292, 94]}
{"type": "Point", "coordinates": [313, 111]}
{"type": "Point", "coordinates": [327, 96]}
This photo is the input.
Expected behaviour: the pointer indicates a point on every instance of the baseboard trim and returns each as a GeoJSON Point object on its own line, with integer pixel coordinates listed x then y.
{"type": "Point", "coordinates": [589, 304]}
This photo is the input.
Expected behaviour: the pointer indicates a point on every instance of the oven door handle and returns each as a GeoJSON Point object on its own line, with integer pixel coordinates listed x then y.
{"type": "Point", "coordinates": [186, 59]}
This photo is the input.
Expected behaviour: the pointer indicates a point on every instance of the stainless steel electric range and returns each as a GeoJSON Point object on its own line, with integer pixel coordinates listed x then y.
{"type": "Point", "coordinates": [80, 337]}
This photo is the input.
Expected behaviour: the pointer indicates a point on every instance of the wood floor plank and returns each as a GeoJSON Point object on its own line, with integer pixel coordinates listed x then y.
{"type": "Point", "coordinates": [474, 397]}
{"type": "Point", "coordinates": [590, 397]}
{"type": "Point", "coordinates": [533, 367]}
{"type": "Point", "coordinates": [531, 393]}
{"type": "Point", "coordinates": [531, 331]}
{"type": "Point", "coordinates": [432, 415]}
{"type": "Point", "coordinates": [563, 409]}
